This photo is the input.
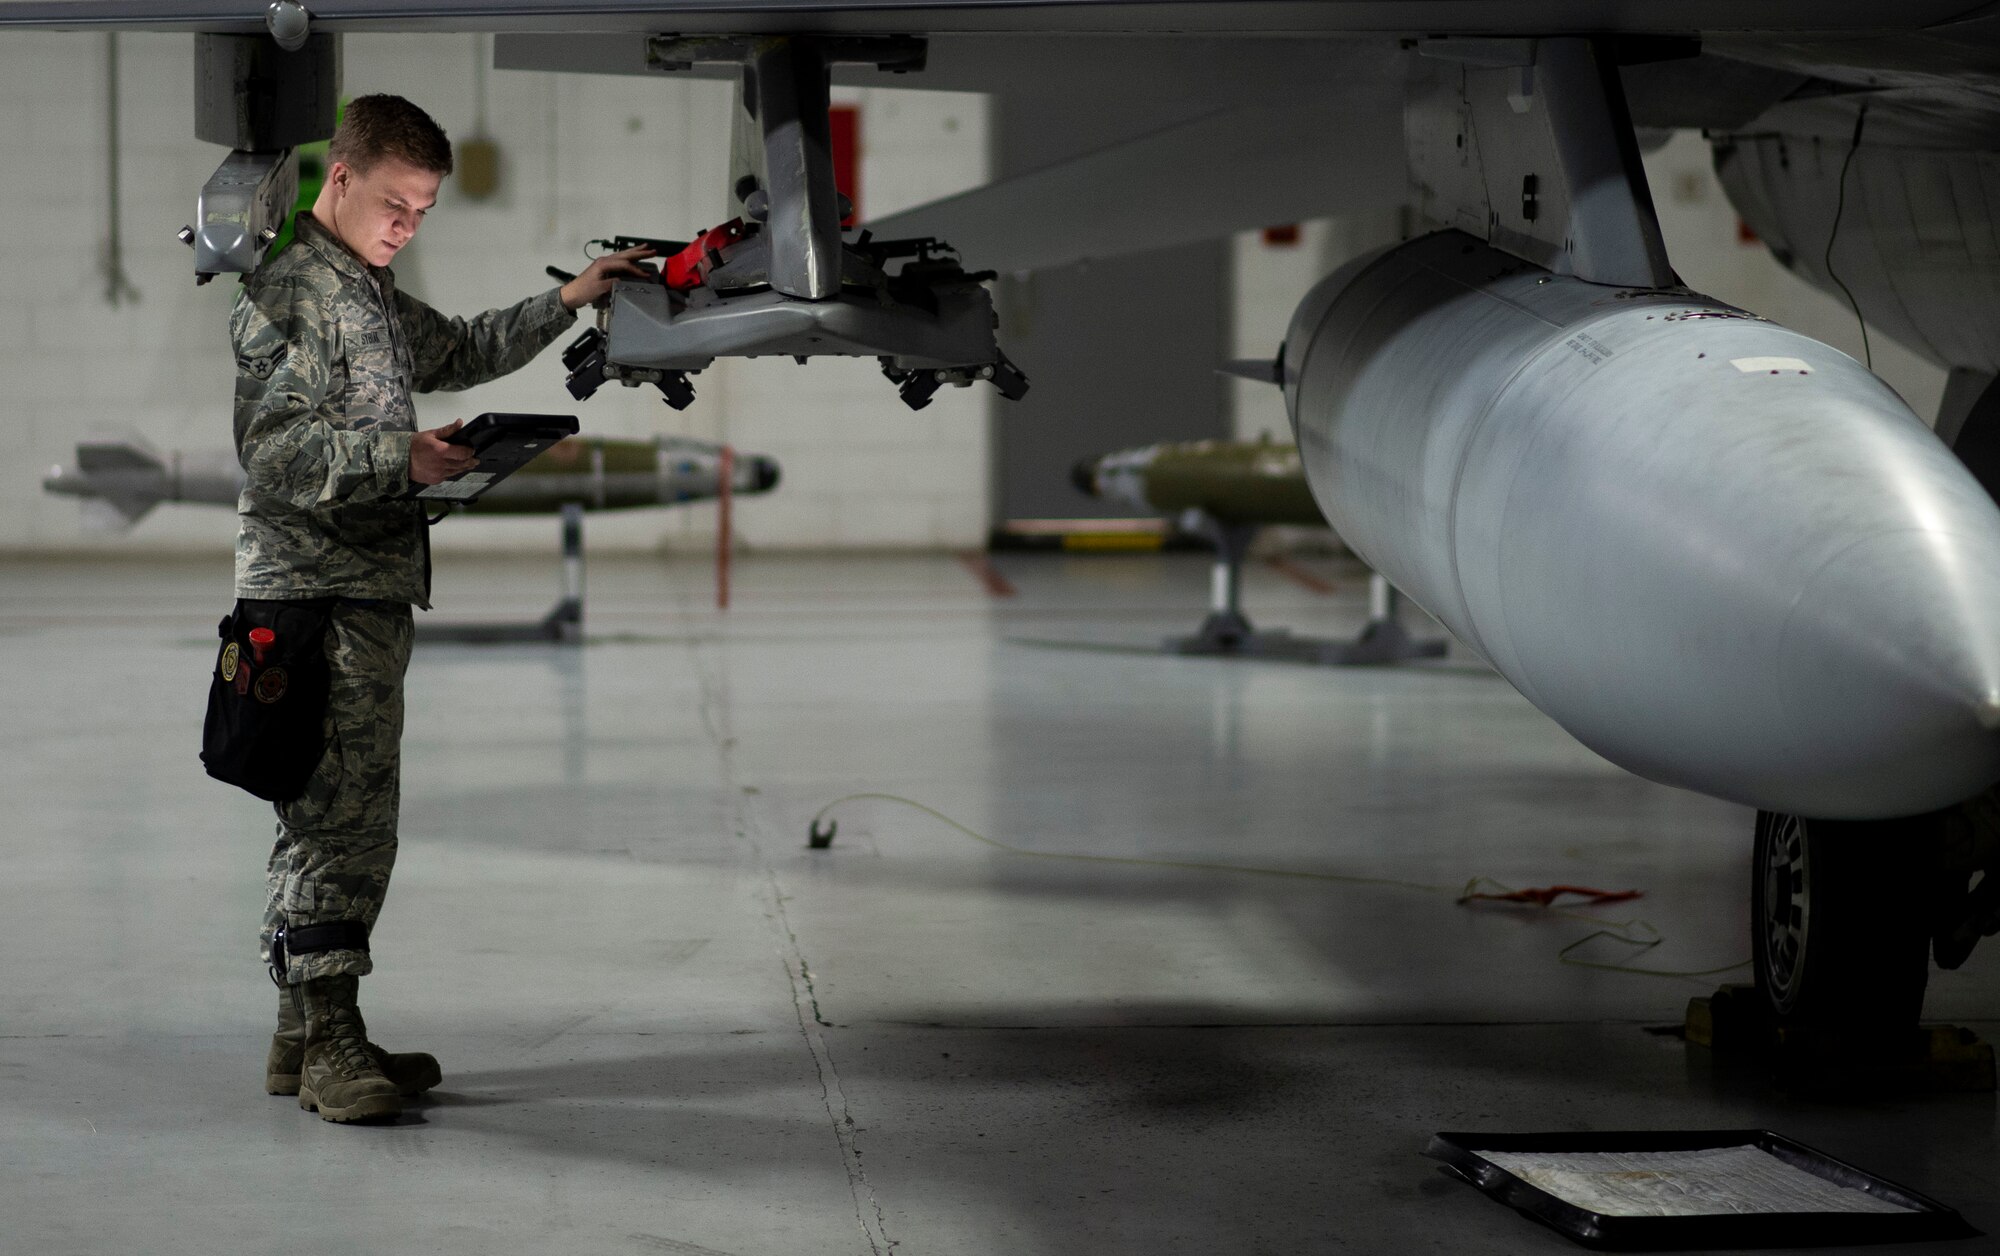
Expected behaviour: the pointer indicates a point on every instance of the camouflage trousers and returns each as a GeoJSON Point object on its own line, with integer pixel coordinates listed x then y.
{"type": "Point", "coordinates": [337, 841]}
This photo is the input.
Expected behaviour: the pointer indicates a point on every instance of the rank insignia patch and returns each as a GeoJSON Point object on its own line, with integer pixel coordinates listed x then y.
{"type": "Point", "coordinates": [264, 367]}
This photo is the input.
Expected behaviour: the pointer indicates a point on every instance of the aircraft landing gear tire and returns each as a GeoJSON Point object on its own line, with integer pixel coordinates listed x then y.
{"type": "Point", "coordinates": [1840, 929]}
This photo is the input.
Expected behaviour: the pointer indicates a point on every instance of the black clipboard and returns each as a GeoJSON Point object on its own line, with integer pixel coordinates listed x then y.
{"type": "Point", "coordinates": [505, 443]}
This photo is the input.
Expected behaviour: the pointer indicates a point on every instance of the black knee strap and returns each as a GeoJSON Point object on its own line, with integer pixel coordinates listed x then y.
{"type": "Point", "coordinates": [332, 935]}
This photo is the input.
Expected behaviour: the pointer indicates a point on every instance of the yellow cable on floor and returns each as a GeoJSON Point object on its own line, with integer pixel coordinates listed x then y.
{"type": "Point", "coordinates": [1637, 933]}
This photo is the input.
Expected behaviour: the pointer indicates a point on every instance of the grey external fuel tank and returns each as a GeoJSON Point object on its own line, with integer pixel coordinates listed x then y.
{"type": "Point", "coordinates": [1721, 554]}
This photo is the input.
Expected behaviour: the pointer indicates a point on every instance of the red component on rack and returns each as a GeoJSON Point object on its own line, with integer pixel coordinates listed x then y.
{"type": "Point", "coordinates": [689, 268]}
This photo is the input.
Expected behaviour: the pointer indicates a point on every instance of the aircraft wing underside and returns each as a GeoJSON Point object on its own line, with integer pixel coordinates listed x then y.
{"type": "Point", "coordinates": [1190, 17]}
{"type": "Point", "coordinates": [1192, 120]}
{"type": "Point", "coordinates": [1242, 86]}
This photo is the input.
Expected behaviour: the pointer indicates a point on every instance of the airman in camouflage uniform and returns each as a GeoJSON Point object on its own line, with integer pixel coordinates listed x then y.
{"type": "Point", "coordinates": [328, 352]}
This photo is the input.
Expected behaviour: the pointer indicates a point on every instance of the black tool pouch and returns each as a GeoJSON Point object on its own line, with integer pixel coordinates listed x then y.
{"type": "Point", "coordinates": [265, 730]}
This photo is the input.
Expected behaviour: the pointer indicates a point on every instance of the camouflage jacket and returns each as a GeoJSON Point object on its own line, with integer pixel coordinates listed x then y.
{"type": "Point", "coordinates": [327, 354]}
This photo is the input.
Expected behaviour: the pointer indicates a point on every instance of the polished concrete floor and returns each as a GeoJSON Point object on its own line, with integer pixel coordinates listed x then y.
{"type": "Point", "coordinates": [668, 1026]}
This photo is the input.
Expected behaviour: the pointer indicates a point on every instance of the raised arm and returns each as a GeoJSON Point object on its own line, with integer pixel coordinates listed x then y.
{"type": "Point", "coordinates": [453, 353]}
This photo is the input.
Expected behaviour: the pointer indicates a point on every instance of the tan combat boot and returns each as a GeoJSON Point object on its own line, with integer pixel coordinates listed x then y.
{"type": "Point", "coordinates": [413, 1072]}
{"type": "Point", "coordinates": [339, 1077]}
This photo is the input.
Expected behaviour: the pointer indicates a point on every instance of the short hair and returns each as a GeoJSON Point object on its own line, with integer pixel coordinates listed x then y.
{"type": "Point", "coordinates": [374, 127]}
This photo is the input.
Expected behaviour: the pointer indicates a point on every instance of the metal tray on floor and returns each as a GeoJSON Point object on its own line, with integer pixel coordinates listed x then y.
{"type": "Point", "coordinates": [1726, 1189]}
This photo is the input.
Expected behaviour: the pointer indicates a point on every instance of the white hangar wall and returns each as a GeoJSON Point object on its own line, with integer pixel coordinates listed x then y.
{"type": "Point", "coordinates": [582, 156]}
